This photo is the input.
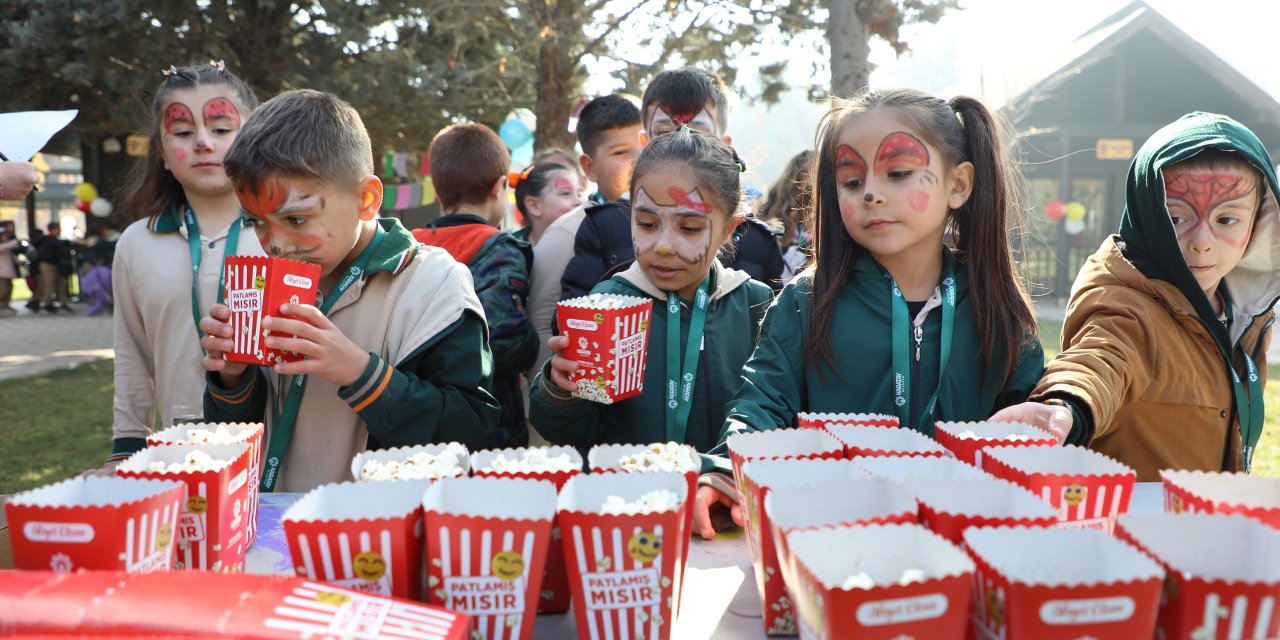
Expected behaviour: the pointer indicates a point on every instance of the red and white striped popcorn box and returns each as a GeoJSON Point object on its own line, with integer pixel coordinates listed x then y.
{"type": "Point", "coordinates": [487, 542]}
{"type": "Point", "coordinates": [1218, 492]}
{"type": "Point", "coordinates": [1213, 589]}
{"type": "Point", "coordinates": [362, 536]}
{"type": "Point", "coordinates": [950, 507]}
{"type": "Point", "coordinates": [868, 440]}
{"type": "Point", "coordinates": [623, 567]}
{"type": "Point", "coordinates": [554, 596]}
{"type": "Point", "coordinates": [779, 444]}
{"type": "Point", "coordinates": [180, 604]}
{"type": "Point", "coordinates": [110, 523]}
{"type": "Point", "coordinates": [417, 462]}
{"type": "Point", "coordinates": [828, 502]}
{"type": "Point", "coordinates": [968, 439]}
{"type": "Point", "coordinates": [805, 419]}
{"type": "Point", "coordinates": [256, 287]}
{"type": "Point", "coordinates": [222, 433]}
{"type": "Point", "coordinates": [213, 527]}
{"type": "Point", "coordinates": [608, 338]}
{"type": "Point", "coordinates": [899, 468]}
{"type": "Point", "coordinates": [762, 477]}
{"type": "Point", "coordinates": [1037, 583]}
{"type": "Point", "coordinates": [1089, 489]}
{"type": "Point", "coordinates": [884, 581]}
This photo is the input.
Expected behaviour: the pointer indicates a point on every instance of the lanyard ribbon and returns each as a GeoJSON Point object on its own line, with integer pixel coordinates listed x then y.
{"type": "Point", "coordinates": [282, 426]}
{"type": "Point", "coordinates": [679, 404]}
{"type": "Point", "coordinates": [902, 336]}
{"type": "Point", "coordinates": [1249, 407]}
{"type": "Point", "coordinates": [194, 242]}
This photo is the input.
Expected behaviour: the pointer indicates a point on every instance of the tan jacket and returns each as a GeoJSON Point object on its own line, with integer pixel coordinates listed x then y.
{"type": "Point", "coordinates": [1137, 356]}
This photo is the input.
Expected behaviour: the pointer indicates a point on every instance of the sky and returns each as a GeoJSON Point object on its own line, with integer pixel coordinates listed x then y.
{"type": "Point", "coordinates": [993, 49]}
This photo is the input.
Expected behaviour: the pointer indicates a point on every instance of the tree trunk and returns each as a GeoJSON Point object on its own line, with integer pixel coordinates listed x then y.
{"type": "Point", "coordinates": [848, 35]}
{"type": "Point", "coordinates": [557, 95]}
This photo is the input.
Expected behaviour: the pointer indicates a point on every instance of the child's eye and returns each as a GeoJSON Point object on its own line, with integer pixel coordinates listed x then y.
{"type": "Point", "coordinates": [692, 230]}
{"type": "Point", "coordinates": [644, 225]}
{"type": "Point", "coordinates": [1228, 220]}
{"type": "Point", "coordinates": [853, 183]}
{"type": "Point", "coordinates": [296, 221]}
{"type": "Point", "coordinates": [182, 134]}
{"type": "Point", "coordinates": [223, 131]}
{"type": "Point", "coordinates": [899, 174]}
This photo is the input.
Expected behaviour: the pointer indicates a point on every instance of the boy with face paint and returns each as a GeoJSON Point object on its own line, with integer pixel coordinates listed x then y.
{"type": "Point", "coordinates": [395, 343]}
{"type": "Point", "coordinates": [1164, 345]}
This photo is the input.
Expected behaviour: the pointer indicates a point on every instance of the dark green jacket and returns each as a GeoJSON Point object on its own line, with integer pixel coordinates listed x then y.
{"type": "Point", "coordinates": [733, 315]}
{"type": "Point", "coordinates": [779, 381]}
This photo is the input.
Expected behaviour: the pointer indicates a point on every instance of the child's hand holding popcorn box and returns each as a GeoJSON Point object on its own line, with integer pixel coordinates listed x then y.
{"type": "Point", "coordinates": [968, 439]}
{"type": "Point", "coordinates": [608, 338]}
{"type": "Point", "coordinates": [256, 288]}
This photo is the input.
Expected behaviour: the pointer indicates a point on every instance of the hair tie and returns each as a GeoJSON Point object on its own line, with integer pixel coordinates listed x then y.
{"type": "Point", "coordinates": [170, 72]}
{"type": "Point", "coordinates": [516, 177]}
{"type": "Point", "coordinates": [742, 166]}
{"type": "Point", "coordinates": [220, 65]}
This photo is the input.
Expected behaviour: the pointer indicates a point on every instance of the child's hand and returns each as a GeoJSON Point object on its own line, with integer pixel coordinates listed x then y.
{"type": "Point", "coordinates": [217, 342]}
{"type": "Point", "coordinates": [1053, 418]}
{"type": "Point", "coordinates": [107, 470]}
{"type": "Point", "coordinates": [331, 355]}
{"type": "Point", "coordinates": [706, 498]}
{"type": "Point", "coordinates": [561, 367]}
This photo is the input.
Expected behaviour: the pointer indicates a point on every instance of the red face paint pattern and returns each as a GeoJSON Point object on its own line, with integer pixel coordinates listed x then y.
{"type": "Point", "coordinates": [687, 200]}
{"type": "Point", "coordinates": [901, 150]}
{"type": "Point", "coordinates": [1204, 192]}
{"type": "Point", "coordinates": [683, 116]}
{"type": "Point", "coordinates": [849, 164]}
{"type": "Point", "coordinates": [221, 108]}
{"type": "Point", "coordinates": [263, 199]}
{"type": "Point", "coordinates": [563, 183]}
{"type": "Point", "coordinates": [177, 114]}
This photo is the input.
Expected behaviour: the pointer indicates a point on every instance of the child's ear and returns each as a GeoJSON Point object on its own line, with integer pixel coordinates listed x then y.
{"type": "Point", "coordinates": [532, 208]}
{"type": "Point", "coordinates": [961, 185]}
{"type": "Point", "coordinates": [499, 186]}
{"type": "Point", "coordinates": [731, 225]}
{"type": "Point", "coordinates": [370, 197]}
{"type": "Point", "coordinates": [728, 139]}
{"type": "Point", "coordinates": [588, 166]}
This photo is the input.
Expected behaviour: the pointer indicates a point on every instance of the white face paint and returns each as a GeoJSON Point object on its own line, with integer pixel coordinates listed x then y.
{"type": "Point", "coordinates": [665, 120]}
{"type": "Point", "coordinates": [675, 241]}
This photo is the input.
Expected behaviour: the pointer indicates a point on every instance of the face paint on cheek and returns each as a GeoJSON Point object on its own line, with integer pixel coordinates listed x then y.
{"type": "Point", "coordinates": [180, 155]}
{"type": "Point", "coordinates": [901, 150]}
{"type": "Point", "coordinates": [221, 108]}
{"type": "Point", "coordinates": [1205, 191]}
{"type": "Point", "coordinates": [263, 199]}
{"type": "Point", "coordinates": [919, 200]}
{"type": "Point", "coordinates": [175, 115]}
{"type": "Point", "coordinates": [847, 209]}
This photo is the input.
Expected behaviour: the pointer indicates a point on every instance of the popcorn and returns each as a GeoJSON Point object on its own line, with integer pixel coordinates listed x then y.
{"type": "Point", "coordinates": [531, 461]}
{"type": "Point", "coordinates": [863, 580]}
{"type": "Point", "coordinates": [668, 456]}
{"type": "Point", "coordinates": [1013, 437]}
{"type": "Point", "coordinates": [651, 502]}
{"type": "Point", "coordinates": [195, 461]}
{"type": "Point", "coordinates": [603, 301]}
{"type": "Point", "coordinates": [419, 466]}
{"type": "Point", "coordinates": [590, 390]}
{"type": "Point", "coordinates": [219, 436]}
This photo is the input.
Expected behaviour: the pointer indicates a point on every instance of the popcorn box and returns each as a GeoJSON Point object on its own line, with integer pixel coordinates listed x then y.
{"type": "Point", "coordinates": [948, 508]}
{"type": "Point", "coordinates": [779, 444]}
{"type": "Point", "coordinates": [1212, 492]}
{"type": "Point", "coordinates": [790, 508]}
{"type": "Point", "coordinates": [968, 439]}
{"type": "Point", "coordinates": [761, 478]}
{"type": "Point", "coordinates": [805, 419]}
{"type": "Point", "coordinates": [424, 462]}
{"type": "Point", "coordinates": [102, 603]}
{"type": "Point", "coordinates": [881, 582]}
{"type": "Point", "coordinates": [1212, 588]}
{"type": "Point", "coordinates": [256, 287]}
{"type": "Point", "coordinates": [623, 567]}
{"type": "Point", "coordinates": [1061, 584]}
{"type": "Point", "coordinates": [487, 542]}
{"type": "Point", "coordinates": [554, 596]}
{"type": "Point", "coordinates": [223, 433]}
{"type": "Point", "coordinates": [608, 337]}
{"type": "Point", "coordinates": [1087, 488]}
{"type": "Point", "coordinates": [362, 536]}
{"type": "Point", "coordinates": [898, 468]}
{"type": "Point", "coordinates": [110, 523]}
{"type": "Point", "coordinates": [212, 531]}
{"type": "Point", "coordinates": [868, 440]}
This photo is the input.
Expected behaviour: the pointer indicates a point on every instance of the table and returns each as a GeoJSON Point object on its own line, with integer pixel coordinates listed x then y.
{"type": "Point", "coordinates": [720, 598]}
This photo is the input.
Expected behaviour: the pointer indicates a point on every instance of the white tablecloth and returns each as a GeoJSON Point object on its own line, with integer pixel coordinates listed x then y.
{"type": "Point", "coordinates": [720, 599]}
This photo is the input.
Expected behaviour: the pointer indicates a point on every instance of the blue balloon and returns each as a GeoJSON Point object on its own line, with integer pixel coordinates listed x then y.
{"type": "Point", "coordinates": [514, 134]}
{"type": "Point", "coordinates": [523, 156]}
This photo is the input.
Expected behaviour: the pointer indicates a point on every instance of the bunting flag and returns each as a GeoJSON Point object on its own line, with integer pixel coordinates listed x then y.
{"type": "Point", "coordinates": [428, 191]}
{"type": "Point", "coordinates": [389, 193]}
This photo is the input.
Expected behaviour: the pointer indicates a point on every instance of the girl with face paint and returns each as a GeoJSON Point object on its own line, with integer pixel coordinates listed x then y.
{"type": "Point", "coordinates": [685, 193]}
{"type": "Point", "coordinates": [168, 263]}
{"type": "Point", "coordinates": [544, 192]}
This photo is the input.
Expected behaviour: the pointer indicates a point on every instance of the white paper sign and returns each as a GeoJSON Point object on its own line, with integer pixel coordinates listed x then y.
{"type": "Point", "coordinates": [24, 133]}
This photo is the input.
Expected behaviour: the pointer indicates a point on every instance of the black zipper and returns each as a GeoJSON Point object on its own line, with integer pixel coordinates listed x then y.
{"type": "Point", "coordinates": [918, 333]}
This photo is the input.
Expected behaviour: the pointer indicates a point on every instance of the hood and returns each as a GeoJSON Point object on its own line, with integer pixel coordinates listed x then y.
{"type": "Point", "coordinates": [725, 280]}
{"type": "Point", "coordinates": [1151, 243]}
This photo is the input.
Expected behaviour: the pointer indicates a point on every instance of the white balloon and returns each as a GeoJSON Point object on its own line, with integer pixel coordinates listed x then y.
{"type": "Point", "coordinates": [1073, 227]}
{"type": "Point", "coordinates": [100, 207]}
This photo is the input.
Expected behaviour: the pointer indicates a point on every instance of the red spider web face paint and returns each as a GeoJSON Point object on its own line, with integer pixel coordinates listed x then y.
{"type": "Point", "coordinates": [1205, 191]}
{"type": "Point", "coordinates": [691, 201]}
{"type": "Point", "coordinates": [221, 108]}
{"type": "Point", "coordinates": [901, 150]}
{"type": "Point", "coordinates": [177, 115]}
{"type": "Point", "coordinates": [262, 200]}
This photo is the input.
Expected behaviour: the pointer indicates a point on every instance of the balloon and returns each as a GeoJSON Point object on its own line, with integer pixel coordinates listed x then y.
{"type": "Point", "coordinates": [523, 155]}
{"type": "Point", "coordinates": [1075, 211]}
{"type": "Point", "coordinates": [86, 192]}
{"type": "Point", "coordinates": [514, 134]}
{"type": "Point", "coordinates": [1073, 227]}
{"type": "Point", "coordinates": [83, 205]}
{"type": "Point", "coordinates": [1055, 209]}
{"type": "Point", "coordinates": [100, 207]}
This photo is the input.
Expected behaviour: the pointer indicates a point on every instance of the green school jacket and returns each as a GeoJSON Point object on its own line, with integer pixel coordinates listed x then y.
{"type": "Point", "coordinates": [733, 315]}
{"type": "Point", "coordinates": [778, 381]}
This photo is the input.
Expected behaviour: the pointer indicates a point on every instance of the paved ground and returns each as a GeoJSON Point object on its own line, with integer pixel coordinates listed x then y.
{"type": "Point", "coordinates": [36, 343]}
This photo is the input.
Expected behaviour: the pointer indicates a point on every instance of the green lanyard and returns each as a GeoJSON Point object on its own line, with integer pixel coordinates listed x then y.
{"type": "Point", "coordinates": [902, 329]}
{"type": "Point", "coordinates": [679, 405]}
{"type": "Point", "coordinates": [193, 240]}
{"type": "Point", "coordinates": [282, 427]}
{"type": "Point", "coordinates": [1249, 407]}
